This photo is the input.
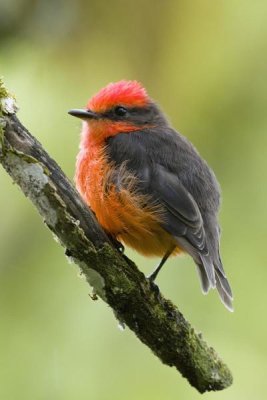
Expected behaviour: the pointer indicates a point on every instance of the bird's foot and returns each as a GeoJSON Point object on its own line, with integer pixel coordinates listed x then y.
{"type": "Point", "coordinates": [152, 276]}
{"type": "Point", "coordinates": [154, 287]}
{"type": "Point", "coordinates": [118, 245]}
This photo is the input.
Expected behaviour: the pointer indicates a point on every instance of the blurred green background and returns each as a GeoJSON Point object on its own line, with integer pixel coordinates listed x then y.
{"type": "Point", "coordinates": [205, 62]}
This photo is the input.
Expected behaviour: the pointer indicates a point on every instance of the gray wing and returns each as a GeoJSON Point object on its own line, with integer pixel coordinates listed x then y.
{"type": "Point", "coordinates": [184, 221]}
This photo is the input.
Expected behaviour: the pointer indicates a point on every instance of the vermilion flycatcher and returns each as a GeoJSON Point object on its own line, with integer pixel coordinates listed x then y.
{"type": "Point", "coordinates": [147, 184]}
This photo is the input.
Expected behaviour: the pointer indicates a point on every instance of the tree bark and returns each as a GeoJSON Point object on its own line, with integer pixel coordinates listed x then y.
{"type": "Point", "coordinates": [116, 279]}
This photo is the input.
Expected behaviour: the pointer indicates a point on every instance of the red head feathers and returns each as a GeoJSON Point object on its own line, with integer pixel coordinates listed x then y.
{"type": "Point", "coordinates": [125, 93]}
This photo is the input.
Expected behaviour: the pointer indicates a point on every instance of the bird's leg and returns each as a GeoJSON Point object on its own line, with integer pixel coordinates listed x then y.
{"type": "Point", "coordinates": [154, 274]}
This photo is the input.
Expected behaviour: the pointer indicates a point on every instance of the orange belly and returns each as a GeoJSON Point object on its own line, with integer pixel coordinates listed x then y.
{"type": "Point", "coordinates": [125, 214]}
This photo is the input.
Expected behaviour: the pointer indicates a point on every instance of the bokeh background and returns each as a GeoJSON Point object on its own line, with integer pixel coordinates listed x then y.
{"type": "Point", "coordinates": [205, 62]}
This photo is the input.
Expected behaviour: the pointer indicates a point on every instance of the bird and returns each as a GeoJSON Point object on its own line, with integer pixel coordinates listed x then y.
{"type": "Point", "coordinates": [147, 184]}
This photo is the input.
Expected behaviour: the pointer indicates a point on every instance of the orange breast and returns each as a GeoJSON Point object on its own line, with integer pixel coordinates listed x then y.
{"type": "Point", "coordinates": [124, 213]}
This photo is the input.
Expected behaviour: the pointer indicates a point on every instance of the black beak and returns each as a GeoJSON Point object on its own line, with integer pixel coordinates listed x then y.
{"type": "Point", "coordinates": [84, 114]}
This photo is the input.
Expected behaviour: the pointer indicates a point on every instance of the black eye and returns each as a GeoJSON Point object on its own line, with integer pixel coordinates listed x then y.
{"type": "Point", "coordinates": [120, 111]}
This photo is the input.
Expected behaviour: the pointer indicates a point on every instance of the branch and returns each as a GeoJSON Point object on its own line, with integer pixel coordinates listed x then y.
{"type": "Point", "coordinates": [135, 301]}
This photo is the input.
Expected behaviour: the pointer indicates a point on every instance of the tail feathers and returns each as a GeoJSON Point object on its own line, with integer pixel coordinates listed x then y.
{"type": "Point", "coordinates": [211, 272]}
{"type": "Point", "coordinates": [205, 283]}
{"type": "Point", "coordinates": [224, 290]}
{"type": "Point", "coordinates": [209, 269]}
{"type": "Point", "coordinates": [211, 277]}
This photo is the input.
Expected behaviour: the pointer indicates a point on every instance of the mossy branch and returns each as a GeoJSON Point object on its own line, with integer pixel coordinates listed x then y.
{"type": "Point", "coordinates": [116, 279]}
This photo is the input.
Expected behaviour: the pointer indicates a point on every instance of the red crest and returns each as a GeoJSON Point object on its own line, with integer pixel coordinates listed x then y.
{"type": "Point", "coordinates": [124, 93]}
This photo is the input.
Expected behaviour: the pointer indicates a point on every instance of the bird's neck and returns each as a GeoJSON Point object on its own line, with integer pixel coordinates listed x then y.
{"type": "Point", "coordinates": [97, 131]}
